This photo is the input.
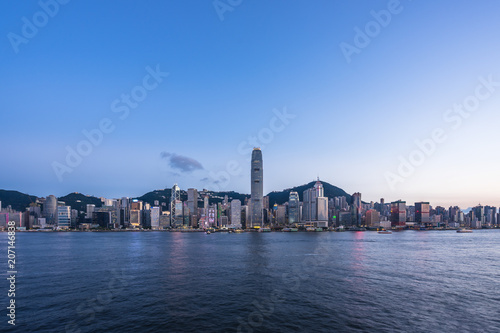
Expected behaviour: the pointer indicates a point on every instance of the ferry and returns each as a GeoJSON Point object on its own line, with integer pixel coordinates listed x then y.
{"type": "Point", "coordinates": [385, 232]}
{"type": "Point", "coordinates": [264, 230]}
{"type": "Point", "coordinates": [464, 231]}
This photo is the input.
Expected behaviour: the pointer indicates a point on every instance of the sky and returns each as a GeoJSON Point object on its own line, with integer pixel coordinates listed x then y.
{"type": "Point", "coordinates": [393, 99]}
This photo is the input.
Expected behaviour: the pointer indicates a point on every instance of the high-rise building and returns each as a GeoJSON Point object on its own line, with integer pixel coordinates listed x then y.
{"type": "Point", "coordinates": [315, 206]}
{"type": "Point", "coordinates": [102, 218]}
{"type": "Point", "coordinates": [192, 204]}
{"type": "Point", "coordinates": [175, 197]}
{"type": "Point", "coordinates": [74, 217]}
{"type": "Point", "coordinates": [372, 218]}
{"type": "Point", "coordinates": [50, 209]}
{"type": "Point", "coordinates": [281, 215]}
{"type": "Point", "coordinates": [64, 217]}
{"type": "Point", "coordinates": [155, 218]}
{"type": "Point", "coordinates": [136, 205]}
{"type": "Point", "coordinates": [135, 218]}
{"type": "Point", "coordinates": [398, 213]}
{"type": "Point", "coordinates": [90, 210]}
{"type": "Point", "coordinates": [322, 212]}
{"type": "Point", "coordinates": [257, 189]}
{"type": "Point", "coordinates": [235, 214]}
{"type": "Point", "coordinates": [422, 212]}
{"type": "Point", "coordinates": [293, 208]}
{"type": "Point", "coordinates": [265, 202]}
{"type": "Point", "coordinates": [212, 216]}
{"type": "Point", "coordinates": [125, 211]}
{"type": "Point", "coordinates": [357, 207]}
{"type": "Point", "coordinates": [382, 206]}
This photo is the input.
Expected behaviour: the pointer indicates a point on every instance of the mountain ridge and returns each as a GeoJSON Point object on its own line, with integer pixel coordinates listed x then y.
{"type": "Point", "coordinates": [19, 201]}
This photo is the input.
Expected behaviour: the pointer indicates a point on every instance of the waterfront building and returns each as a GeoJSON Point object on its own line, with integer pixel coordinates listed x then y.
{"type": "Point", "coordinates": [293, 208]}
{"type": "Point", "coordinates": [357, 208]}
{"type": "Point", "coordinates": [235, 214]}
{"type": "Point", "coordinates": [103, 218]}
{"type": "Point", "coordinates": [281, 215]}
{"type": "Point", "coordinates": [50, 209]}
{"type": "Point", "coordinates": [155, 218]}
{"type": "Point", "coordinates": [422, 211]}
{"type": "Point", "coordinates": [398, 213]}
{"type": "Point", "coordinates": [135, 218]}
{"type": "Point", "coordinates": [372, 218]}
{"type": "Point", "coordinates": [125, 212]}
{"type": "Point", "coordinates": [175, 198]}
{"type": "Point", "coordinates": [212, 216]}
{"type": "Point", "coordinates": [90, 210]}
{"type": "Point", "coordinates": [315, 206]}
{"type": "Point", "coordinates": [192, 204]}
{"type": "Point", "coordinates": [63, 217]}
{"type": "Point", "coordinates": [257, 189]}
{"type": "Point", "coordinates": [165, 220]}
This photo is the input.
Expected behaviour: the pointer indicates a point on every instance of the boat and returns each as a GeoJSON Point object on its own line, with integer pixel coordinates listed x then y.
{"type": "Point", "coordinates": [319, 229]}
{"type": "Point", "coordinates": [294, 229]}
{"type": "Point", "coordinates": [383, 231]}
{"type": "Point", "coordinates": [239, 231]}
{"type": "Point", "coordinates": [264, 230]}
{"type": "Point", "coordinates": [464, 231]}
{"type": "Point", "coordinates": [208, 232]}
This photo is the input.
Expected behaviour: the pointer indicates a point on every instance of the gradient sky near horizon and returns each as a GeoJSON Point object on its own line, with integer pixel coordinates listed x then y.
{"type": "Point", "coordinates": [228, 78]}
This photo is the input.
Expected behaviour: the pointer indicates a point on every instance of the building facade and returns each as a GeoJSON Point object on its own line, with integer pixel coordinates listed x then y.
{"type": "Point", "coordinates": [257, 189]}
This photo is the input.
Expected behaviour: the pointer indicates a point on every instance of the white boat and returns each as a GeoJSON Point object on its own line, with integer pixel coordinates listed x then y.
{"type": "Point", "coordinates": [464, 231]}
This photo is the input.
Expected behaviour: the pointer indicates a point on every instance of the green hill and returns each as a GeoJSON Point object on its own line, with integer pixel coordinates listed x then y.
{"type": "Point", "coordinates": [17, 200]}
{"type": "Point", "coordinates": [79, 201]}
{"type": "Point", "coordinates": [330, 191]}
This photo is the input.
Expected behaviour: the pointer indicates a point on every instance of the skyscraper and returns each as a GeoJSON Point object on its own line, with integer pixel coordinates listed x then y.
{"type": "Point", "coordinates": [175, 196]}
{"type": "Point", "coordinates": [422, 210]}
{"type": "Point", "coordinates": [315, 206]}
{"type": "Point", "coordinates": [293, 208]}
{"type": "Point", "coordinates": [64, 217]}
{"type": "Point", "coordinates": [155, 218]}
{"type": "Point", "coordinates": [50, 209]}
{"type": "Point", "coordinates": [398, 213]}
{"type": "Point", "coordinates": [90, 210]}
{"type": "Point", "coordinates": [372, 218]}
{"type": "Point", "coordinates": [357, 208]}
{"type": "Point", "coordinates": [257, 187]}
{"type": "Point", "coordinates": [235, 214]}
{"type": "Point", "coordinates": [192, 204]}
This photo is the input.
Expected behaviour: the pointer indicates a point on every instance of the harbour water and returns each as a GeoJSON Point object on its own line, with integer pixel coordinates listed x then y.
{"type": "Point", "coordinates": [430, 281]}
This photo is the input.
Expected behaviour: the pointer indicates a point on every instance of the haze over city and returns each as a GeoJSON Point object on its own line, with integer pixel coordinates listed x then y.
{"type": "Point", "coordinates": [233, 76]}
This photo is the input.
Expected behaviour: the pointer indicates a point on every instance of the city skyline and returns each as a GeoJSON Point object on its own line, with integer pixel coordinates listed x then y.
{"type": "Point", "coordinates": [199, 102]}
{"type": "Point", "coordinates": [211, 166]}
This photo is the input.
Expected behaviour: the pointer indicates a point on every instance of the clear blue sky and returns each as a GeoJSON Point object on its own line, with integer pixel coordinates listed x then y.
{"type": "Point", "coordinates": [352, 119]}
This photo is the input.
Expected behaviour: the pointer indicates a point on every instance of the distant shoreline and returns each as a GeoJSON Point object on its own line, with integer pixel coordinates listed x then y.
{"type": "Point", "coordinates": [226, 231]}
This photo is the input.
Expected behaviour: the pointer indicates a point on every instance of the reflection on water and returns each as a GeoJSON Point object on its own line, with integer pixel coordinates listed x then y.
{"type": "Point", "coordinates": [353, 281]}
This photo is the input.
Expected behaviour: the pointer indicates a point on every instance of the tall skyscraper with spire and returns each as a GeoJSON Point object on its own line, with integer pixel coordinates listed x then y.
{"type": "Point", "coordinates": [257, 187]}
